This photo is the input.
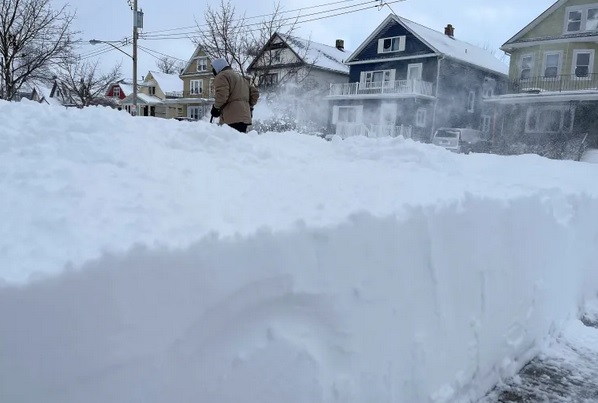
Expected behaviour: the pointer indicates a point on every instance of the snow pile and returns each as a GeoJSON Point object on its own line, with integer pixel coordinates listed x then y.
{"type": "Point", "coordinates": [148, 260]}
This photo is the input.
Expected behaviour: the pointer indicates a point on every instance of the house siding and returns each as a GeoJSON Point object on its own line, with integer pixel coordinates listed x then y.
{"type": "Point", "coordinates": [413, 46]}
{"type": "Point", "coordinates": [429, 68]}
{"type": "Point", "coordinates": [553, 25]}
{"type": "Point", "coordinates": [538, 51]}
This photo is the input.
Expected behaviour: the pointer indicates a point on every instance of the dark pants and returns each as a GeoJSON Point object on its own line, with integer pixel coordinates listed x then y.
{"type": "Point", "coordinates": [242, 127]}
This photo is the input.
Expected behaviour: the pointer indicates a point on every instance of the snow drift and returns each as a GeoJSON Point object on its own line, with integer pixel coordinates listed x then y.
{"type": "Point", "coordinates": [147, 260]}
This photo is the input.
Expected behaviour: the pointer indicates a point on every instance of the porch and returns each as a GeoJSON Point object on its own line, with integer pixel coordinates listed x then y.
{"type": "Point", "coordinates": [399, 88]}
{"type": "Point", "coordinates": [557, 83]}
{"type": "Point", "coordinates": [345, 130]}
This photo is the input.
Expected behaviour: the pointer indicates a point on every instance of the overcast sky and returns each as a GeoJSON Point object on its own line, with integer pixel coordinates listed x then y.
{"type": "Point", "coordinates": [487, 23]}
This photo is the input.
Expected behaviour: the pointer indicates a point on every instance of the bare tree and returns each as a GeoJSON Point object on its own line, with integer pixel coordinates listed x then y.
{"type": "Point", "coordinates": [227, 35]}
{"type": "Point", "coordinates": [33, 37]}
{"type": "Point", "coordinates": [83, 81]}
{"type": "Point", "coordinates": [169, 65]}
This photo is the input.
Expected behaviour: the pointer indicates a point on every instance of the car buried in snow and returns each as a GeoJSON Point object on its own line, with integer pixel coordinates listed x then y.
{"type": "Point", "coordinates": [461, 140]}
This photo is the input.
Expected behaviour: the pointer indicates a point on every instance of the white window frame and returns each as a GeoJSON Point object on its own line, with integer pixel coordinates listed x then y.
{"type": "Point", "coordinates": [202, 64]}
{"type": "Point", "coordinates": [574, 63]}
{"type": "Point", "coordinates": [401, 44]}
{"type": "Point", "coordinates": [367, 77]}
{"type": "Point", "coordinates": [116, 92]}
{"type": "Point", "coordinates": [356, 109]}
{"type": "Point", "coordinates": [531, 69]}
{"type": "Point", "coordinates": [488, 87]}
{"type": "Point", "coordinates": [415, 66]}
{"type": "Point", "coordinates": [196, 87]}
{"type": "Point", "coordinates": [583, 24]}
{"type": "Point", "coordinates": [471, 102]}
{"type": "Point", "coordinates": [152, 90]}
{"type": "Point", "coordinates": [194, 112]}
{"type": "Point", "coordinates": [553, 109]}
{"type": "Point", "coordinates": [421, 117]}
{"type": "Point", "coordinates": [486, 122]}
{"type": "Point", "coordinates": [559, 66]}
{"type": "Point", "coordinates": [211, 90]}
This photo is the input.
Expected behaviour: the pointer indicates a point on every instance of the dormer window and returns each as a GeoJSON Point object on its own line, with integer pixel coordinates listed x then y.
{"type": "Point", "coordinates": [393, 44]}
{"type": "Point", "coordinates": [581, 18]}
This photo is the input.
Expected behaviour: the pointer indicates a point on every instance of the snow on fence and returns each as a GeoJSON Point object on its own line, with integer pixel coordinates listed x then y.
{"type": "Point", "coordinates": [345, 130]}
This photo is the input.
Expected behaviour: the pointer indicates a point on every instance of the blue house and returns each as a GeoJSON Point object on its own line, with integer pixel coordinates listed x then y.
{"type": "Point", "coordinates": [407, 79]}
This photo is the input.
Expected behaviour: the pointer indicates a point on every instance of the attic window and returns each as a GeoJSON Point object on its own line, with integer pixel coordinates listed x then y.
{"type": "Point", "coordinates": [581, 18]}
{"type": "Point", "coordinates": [202, 64]}
{"type": "Point", "coordinates": [393, 44]}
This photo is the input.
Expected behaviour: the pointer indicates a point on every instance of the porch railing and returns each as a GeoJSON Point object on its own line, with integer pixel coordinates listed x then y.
{"type": "Point", "coordinates": [407, 87]}
{"type": "Point", "coordinates": [345, 130]}
{"type": "Point", "coordinates": [559, 83]}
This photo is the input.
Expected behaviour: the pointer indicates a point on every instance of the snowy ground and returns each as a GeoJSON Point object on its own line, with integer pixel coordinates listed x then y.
{"type": "Point", "coordinates": [566, 370]}
{"type": "Point", "coordinates": [146, 260]}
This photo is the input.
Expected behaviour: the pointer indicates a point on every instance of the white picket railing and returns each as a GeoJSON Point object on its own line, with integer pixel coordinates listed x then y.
{"type": "Point", "coordinates": [345, 130]}
{"type": "Point", "coordinates": [415, 87]}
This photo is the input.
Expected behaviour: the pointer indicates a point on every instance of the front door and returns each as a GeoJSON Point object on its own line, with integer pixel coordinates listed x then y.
{"type": "Point", "coordinates": [388, 119]}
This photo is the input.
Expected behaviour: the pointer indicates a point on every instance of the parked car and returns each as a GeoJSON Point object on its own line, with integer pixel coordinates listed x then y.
{"type": "Point", "coordinates": [185, 119]}
{"type": "Point", "coordinates": [461, 140]}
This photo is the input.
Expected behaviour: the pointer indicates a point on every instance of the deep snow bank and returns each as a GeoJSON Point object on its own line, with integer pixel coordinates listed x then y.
{"type": "Point", "coordinates": [277, 267]}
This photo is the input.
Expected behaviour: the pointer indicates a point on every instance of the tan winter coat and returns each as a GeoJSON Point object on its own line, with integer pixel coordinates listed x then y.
{"type": "Point", "coordinates": [234, 97]}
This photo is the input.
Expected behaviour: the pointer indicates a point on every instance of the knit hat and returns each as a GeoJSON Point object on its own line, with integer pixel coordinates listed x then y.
{"type": "Point", "coordinates": [219, 64]}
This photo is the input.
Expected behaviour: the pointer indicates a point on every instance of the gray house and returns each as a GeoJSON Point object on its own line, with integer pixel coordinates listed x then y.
{"type": "Point", "coordinates": [407, 79]}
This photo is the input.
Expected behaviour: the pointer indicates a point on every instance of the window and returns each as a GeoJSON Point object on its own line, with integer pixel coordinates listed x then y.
{"type": "Point", "coordinates": [152, 90]}
{"type": "Point", "coordinates": [581, 18]}
{"type": "Point", "coordinates": [375, 79]}
{"type": "Point", "coordinates": [471, 102]}
{"type": "Point", "coordinates": [527, 63]}
{"type": "Point", "coordinates": [212, 91]}
{"type": "Point", "coordinates": [488, 87]}
{"type": "Point", "coordinates": [116, 92]}
{"type": "Point", "coordinates": [347, 114]}
{"type": "Point", "coordinates": [486, 123]}
{"type": "Point", "coordinates": [196, 87]}
{"type": "Point", "coordinates": [268, 80]}
{"type": "Point", "coordinates": [583, 60]}
{"type": "Point", "coordinates": [202, 64]}
{"type": "Point", "coordinates": [414, 71]}
{"type": "Point", "coordinates": [194, 112]}
{"type": "Point", "coordinates": [420, 117]}
{"type": "Point", "coordinates": [394, 44]}
{"type": "Point", "coordinates": [552, 64]}
{"type": "Point", "coordinates": [549, 119]}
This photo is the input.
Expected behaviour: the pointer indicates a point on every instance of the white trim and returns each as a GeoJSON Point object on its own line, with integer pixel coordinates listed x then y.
{"type": "Point", "coordinates": [583, 9]}
{"type": "Point", "coordinates": [559, 66]}
{"type": "Point", "coordinates": [401, 45]}
{"type": "Point", "coordinates": [520, 65]}
{"type": "Point", "coordinates": [198, 90]}
{"type": "Point", "coordinates": [412, 66]}
{"type": "Point", "coordinates": [421, 117]}
{"type": "Point", "coordinates": [523, 45]}
{"type": "Point", "coordinates": [574, 63]}
{"type": "Point", "coordinates": [392, 59]}
{"type": "Point", "coordinates": [471, 102]}
{"type": "Point", "coordinates": [204, 59]}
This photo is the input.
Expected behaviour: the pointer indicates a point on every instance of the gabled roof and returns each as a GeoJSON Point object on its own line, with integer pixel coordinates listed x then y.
{"type": "Point", "coordinates": [169, 83]}
{"type": "Point", "coordinates": [441, 44]}
{"type": "Point", "coordinates": [319, 55]}
{"type": "Point", "coordinates": [535, 22]}
{"type": "Point", "coordinates": [199, 52]}
{"type": "Point", "coordinates": [142, 99]}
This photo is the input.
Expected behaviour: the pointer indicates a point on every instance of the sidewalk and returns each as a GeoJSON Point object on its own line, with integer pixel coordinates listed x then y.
{"type": "Point", "coordinates": [566, 372]}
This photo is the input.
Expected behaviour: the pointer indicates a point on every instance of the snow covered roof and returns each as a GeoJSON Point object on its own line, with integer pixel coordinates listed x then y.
{"type": "Point", "coordinates": [444, 45]}
{"type": "Point", "coordinates": [321, 55]}
{"type": "Point", "coordinates": [169, 83]}
{"type": "Point", "coordinates": [45, 93]}
{"type": "Point", "coordinates": [142, 99]}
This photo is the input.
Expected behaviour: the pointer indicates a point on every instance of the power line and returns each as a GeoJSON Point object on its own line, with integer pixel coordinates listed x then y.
{"type": "Point", "coordinates": [197, 29]}
{"type": "Point", "coordinates": [255, 16]}
{"type": "Point", "coordinates": [147, 50]}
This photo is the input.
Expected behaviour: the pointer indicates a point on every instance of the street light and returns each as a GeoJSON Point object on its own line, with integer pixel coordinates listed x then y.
{"type": "Point", "coordinates": [134, 58]}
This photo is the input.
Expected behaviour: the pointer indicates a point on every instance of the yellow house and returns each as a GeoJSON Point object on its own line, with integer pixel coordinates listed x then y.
{"type": "Point", "coordinates": [198, 85]}
{"type": "Point", "coordinates": [158, 95]}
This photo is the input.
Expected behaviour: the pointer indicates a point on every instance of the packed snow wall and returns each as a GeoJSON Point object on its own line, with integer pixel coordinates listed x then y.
{"type": "Point", "coordinates": [429, 305]}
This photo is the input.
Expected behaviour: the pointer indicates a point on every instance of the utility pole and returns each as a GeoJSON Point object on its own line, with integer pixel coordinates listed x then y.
{"type": "Point", "coordinates": [135, 26]}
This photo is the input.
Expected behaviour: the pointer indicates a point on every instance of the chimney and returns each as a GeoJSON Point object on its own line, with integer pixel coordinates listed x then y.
{"type": "Point", "coordinates": [449, 30]}
{"type": "Point", "coordinates": [340, 44]}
